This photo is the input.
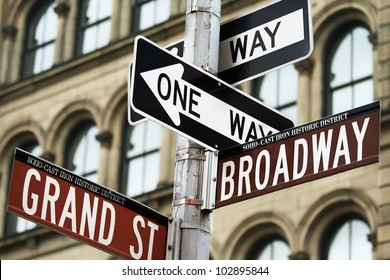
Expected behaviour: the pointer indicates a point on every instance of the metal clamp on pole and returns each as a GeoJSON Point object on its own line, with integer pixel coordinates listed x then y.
{"type": "Point", "coordinates": [187, 201]}
{"type": "Point", "coordinates": [195, 7]}
{"type": "Point", "coordinates": [190, 156]}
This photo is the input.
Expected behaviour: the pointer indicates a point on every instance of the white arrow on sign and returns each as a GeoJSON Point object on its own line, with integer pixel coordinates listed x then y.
{"type": "Point", "coordinates": [177, 96]}
{"type": "Point", "coordinates": [257, 43]}
{"type": "Point", "coordinates": [196, 104]}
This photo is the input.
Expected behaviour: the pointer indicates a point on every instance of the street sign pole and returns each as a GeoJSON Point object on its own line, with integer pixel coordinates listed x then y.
{"type": "Point", "coordinates": [201, 44]}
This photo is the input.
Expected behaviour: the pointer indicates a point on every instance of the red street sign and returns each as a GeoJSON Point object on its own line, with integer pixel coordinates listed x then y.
{"type": "Point", "coordinates": [300, 154]}
{"type": "Point", "coordinates": [54, 197]}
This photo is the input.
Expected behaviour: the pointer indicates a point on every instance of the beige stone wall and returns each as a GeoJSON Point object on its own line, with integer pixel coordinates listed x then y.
{"type": "Point", "coordinates": [94, 86]}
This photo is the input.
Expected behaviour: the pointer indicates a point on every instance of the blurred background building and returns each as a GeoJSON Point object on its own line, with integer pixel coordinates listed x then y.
{"type": "Point", "coordinates": [63, 96]}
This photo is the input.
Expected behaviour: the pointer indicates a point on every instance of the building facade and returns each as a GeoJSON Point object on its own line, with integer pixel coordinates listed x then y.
{"type": "Point", "coordinates": [63, 97]}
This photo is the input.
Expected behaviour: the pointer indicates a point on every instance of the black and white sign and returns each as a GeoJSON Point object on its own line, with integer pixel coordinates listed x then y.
{"type": "Point", "coordinates": [264, 40]}
{"type": "Point", "coordinates": [133, 117]}
{"type": "Point", "coordinates": [196, 104]}
{"type": "Point", "coordinates": [259, 42]}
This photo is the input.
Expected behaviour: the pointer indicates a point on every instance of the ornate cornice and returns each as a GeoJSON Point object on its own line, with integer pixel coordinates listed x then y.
{"type": "Point", "coordinates": [116, 49]}
{"type": "Point", "coordinates": [68, 69]}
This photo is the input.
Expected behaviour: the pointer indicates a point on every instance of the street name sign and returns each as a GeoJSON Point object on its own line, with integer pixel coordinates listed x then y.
{"type": "Point", "coordinates": [196, 104]}
{"type": "Point", "coordinates": [60, 200]}
{"type": "Point", "coordinates": [259, 42]}
{"type": "Point", "coordinates": [301, 154]}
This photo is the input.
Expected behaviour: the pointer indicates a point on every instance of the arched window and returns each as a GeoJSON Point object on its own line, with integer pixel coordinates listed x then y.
{"type": "Point", "coordinates": [279, 90]}
{"type": "Point", "coordinates": [94, 25]}
{"type": "Point", "coordinates": [40, 40]}
{"type": "Point", "coordinates": [272, 247]}
{"type": "Point", "coordinates": [147, 13]}
{"type": "Point", "coordinates": [141, 164]}
{"type": "Point", "coordinates": [15, 224]}
{"type": "Point", "coordinates": [82, 151]}
{"type": "Point", "coordinates": [348, 69]}
{"type": "Point", "coordinates": [347, 239]}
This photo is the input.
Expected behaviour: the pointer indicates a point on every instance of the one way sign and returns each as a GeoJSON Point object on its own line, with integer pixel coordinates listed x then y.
{"type": "Point", "coordinates": [196, 104]}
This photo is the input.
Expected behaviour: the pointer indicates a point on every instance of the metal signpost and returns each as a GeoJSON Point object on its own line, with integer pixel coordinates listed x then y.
{"type": "Point", "coordinates": [196, 104]}
{"type": "Point", "coordinates": [193, 239]}
{"type": "Point", "coordinates": [58, 199]}
{"type": "Point", "coordinates": [300, 154]}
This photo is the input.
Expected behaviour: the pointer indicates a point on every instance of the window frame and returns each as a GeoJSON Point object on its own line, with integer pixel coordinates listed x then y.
{"type": "Point", "coordinates": [11, 219]}
{"type": "Point", "coordinates": [136, 16]}
{"type": "Point", "coordinates": [333, 228]}
{"type": "Point", "coordinates": [30, 49]}
{"type": "Point", "coordinates": [331, 48]}
{"type": "Point", "coordinates": [257, 90]}
{"type": "Point", "coordinates": [125, 160]}
{"type": "Point", "coordinates": [72, 143]}
{"type": "Point", "coordinates": [261, 244]}
{"type": "Point", "coordinates": [81, 27]}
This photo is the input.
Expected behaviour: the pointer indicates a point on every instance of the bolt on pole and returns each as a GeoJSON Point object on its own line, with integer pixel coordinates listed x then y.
{"type": "Point", "coordinates": [201, 45]}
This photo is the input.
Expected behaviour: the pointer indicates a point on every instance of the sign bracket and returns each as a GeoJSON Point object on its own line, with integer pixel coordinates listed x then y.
{"type": "Point", "coordinates": [210, 180]}
{"type": "Point", "coordinates": [174, 232]}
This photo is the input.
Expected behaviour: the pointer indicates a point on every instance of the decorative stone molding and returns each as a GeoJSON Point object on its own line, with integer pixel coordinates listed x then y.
{"type": "Point", "coordinates": [62, 9]}
{"type": "Point", "coordinates": [9, 32]}
{"type": "Point", "coordinates": [372, 237]}
{"type": "Point", "coordinates": [299, 256]}
{"type": "Point", "coordinates": [373, 39]}
{"type": "Point", "coordinates": [305, 66]}
{"type": "Point", "coordinates": [49, 156]}
{"type": "Point", "coordinates": [86, 62]}
{"type": "Point", "coordinates": [105, 138]}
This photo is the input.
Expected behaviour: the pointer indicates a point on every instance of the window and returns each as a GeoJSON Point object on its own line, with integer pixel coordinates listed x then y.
{"type": "Point", "coordinates": [82, 153]}
{"type": "Point", "coordinates": [273, 247]}
{"type": "Point", "coordinates": [14, 223]}
{"type": "Point", "coordinates": [347, 239]}
{"type": "Point", "coordinates": [142, 158]}
{"type": "Point", "coordinates": [40, 41]}
{"type": "Point", "coordinates": [95, 25]}
{"type": "Point", "coordinates": [349, 69]}
{"type": "Point", "coordinates": [148, 13]}
{"type": "Point", "coordinates": [279, 90]}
